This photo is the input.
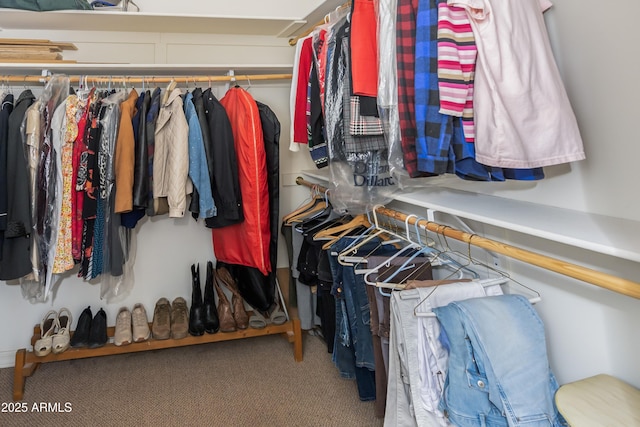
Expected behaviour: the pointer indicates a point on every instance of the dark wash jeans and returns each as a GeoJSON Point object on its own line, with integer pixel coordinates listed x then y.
{"type": "Point", "coordinates": [353, 347]}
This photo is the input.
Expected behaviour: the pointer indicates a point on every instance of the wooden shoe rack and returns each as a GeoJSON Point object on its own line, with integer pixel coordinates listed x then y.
{"type": "Point", "coordinates": [27, 362]}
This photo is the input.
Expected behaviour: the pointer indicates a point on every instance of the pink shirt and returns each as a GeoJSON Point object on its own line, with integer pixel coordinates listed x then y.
{"type": "Point", "coordinates": [523, 117]}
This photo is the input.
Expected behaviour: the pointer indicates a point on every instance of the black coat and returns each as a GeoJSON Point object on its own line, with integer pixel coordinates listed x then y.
{"type": "Point", "coordinates": [16, 262]}
{"type": "Point", "coordinates": [150, 127]}
{"type": "Point", "coordinates": [271, 134]}
{"type": "Point", "coordinates": [5, 111]}
{"type": "Point", "coordinates": [224, 171]}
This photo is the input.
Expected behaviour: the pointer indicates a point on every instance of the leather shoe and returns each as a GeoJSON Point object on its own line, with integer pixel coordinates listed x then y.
{"type": "Point", "coordinates": [80, 337]}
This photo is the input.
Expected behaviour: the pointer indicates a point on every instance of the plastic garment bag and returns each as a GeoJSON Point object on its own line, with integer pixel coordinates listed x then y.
{"type": "Point", "coordinates": [359, 169]}
{"type": "Point", "coordinates": [386, 11]}
{"type": "Point", "coordinates": [41, 157]}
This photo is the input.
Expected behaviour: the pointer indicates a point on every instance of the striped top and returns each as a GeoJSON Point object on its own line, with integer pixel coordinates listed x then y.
{"type": "Point", "coordinates": [457, 54]}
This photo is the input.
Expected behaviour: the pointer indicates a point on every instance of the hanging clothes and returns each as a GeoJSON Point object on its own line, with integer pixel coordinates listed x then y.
{"type": "Point", "coordinates": [171, 157]}
{"type": "Point", "coordinates": [125, 155]}
{"type": "Point", "coordinates": [271, 135]}
{"type": "Point", "coordinates": [523, 115]}
{"type": "Point", "coordinates": [5, 111]}
{"type": "Point", "coordinates": [224, 164]}
{"type": "Point", "coordinates": [152, 115]}
{"type": "Point", "coordinates": [247, 243]}
{"type": "Point", "coordinates": [64, 260]}
{"type": "Point", "coordinates": [16, 248]}
{"type": "Point", "coordinates": [198, 168]}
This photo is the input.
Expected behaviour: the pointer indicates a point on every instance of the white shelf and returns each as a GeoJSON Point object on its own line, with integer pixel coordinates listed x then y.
{"type": "Point", "coordinates": [82, 20]}
{"type": "Point", "coordinates": [599, 233]}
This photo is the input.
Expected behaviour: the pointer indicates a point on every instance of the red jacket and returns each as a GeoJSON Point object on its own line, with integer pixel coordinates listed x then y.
{"type": "Point", "coordinates": [247, 243]}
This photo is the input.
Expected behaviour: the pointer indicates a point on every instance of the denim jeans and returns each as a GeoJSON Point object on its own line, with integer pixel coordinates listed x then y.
{"type": "Point", "coordinates": [499, 373]}
{"type": "Point", "coordinates": [353, 345]}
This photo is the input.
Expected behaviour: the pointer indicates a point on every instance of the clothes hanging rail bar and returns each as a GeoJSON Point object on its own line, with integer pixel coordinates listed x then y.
{"type": "Point", "coordinates": [115, 79]}
{"type": "Point", "coordinates": [294, 40]}
{"type": "Point", "coordinates": [594, 277]}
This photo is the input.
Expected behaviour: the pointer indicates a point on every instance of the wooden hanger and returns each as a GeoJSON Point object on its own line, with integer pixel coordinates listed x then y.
{"type": "Point", "coordinates": [320, 206]}
{"type": "Point", "coordinates": [333, 234]}
{"type": "Point", "coordinates": [314, 199]}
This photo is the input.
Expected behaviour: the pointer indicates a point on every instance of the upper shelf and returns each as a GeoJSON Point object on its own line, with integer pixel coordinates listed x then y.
{"type": "Point", "coordinates": [599, 233]}
{"type": "Point", "coordinates": [82, 20]}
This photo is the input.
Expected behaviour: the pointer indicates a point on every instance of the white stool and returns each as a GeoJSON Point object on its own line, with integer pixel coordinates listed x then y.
{"type": "Point", "coordinates": [599, 401]}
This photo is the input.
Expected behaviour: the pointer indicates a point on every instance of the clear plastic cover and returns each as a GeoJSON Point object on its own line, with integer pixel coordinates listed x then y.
{"type": "Point", "coordinates": [37, 131]}
{"type": "Point", "coordinates": [360, 175]}
{"type": "Point", "coordinates": [388, 88]}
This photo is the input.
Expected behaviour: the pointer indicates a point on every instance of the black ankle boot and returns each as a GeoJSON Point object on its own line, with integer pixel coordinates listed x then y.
{"type": "Point", "coordinates": [211, 321]}
{"type": "Point", "coordinates": [196, 313]}
{"type": "Point", "coordinates": [80, 337]}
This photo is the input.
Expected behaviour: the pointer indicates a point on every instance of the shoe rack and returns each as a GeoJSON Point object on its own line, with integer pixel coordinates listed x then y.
{"type": "Point", "coordinates": [27, 362]}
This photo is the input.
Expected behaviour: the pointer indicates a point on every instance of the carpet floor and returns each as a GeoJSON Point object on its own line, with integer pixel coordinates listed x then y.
{"type": "Point", "coordinates": [252, 382]}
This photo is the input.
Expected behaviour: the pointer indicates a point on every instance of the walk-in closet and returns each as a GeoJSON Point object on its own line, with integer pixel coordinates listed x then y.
{"type": "Point", "coordinates": [369, 212]}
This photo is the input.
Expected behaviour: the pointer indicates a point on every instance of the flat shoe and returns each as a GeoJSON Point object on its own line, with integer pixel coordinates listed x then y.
{"type": "Point", "coordinates": [61, 339]}
{"type": "Point", "coordinates": [257, 320]}
{"type": "Point", "coordinates": [42, 347]}
{"type": "Point", "coordinates": [278, 317]}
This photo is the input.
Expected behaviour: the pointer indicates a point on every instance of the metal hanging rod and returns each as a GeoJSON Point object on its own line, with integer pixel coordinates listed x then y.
{"type": "Point", "coordinates": [147, 79]}
{"type": "Point", "coordinates": [588, 275]}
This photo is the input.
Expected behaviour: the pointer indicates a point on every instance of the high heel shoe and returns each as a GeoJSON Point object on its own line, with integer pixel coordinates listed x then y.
{"type": "Point", "coordinates": [61, 339]}
{"type": "Point", "coordinates": [42, 347]}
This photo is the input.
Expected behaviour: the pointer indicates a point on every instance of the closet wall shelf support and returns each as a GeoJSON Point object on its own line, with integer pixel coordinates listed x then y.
{"type": "Point", "coordinates": [588, 275]}
{"type": "Point", "coordinates": [599, 233]}
{"type": "Point", "coordinates": [27, 362]}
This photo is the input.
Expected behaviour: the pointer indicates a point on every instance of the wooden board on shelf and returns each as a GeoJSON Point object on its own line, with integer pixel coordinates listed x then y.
{"type": "Point", "coordinates": [42, 56]}
{"type": "Point", "coordinates": [38, 61]}
{"type": "Point", "coordinates": [38, 42]}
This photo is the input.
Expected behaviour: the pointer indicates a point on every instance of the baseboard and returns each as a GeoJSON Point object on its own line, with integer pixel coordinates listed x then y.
{"type": "Point", "coordinates": [7, 359]}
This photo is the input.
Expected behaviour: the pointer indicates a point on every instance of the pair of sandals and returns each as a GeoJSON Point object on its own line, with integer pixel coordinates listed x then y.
{"type": "Point", "coordinates": [55, 333]}
{"type": "Point", "coordinates": [258, 321]}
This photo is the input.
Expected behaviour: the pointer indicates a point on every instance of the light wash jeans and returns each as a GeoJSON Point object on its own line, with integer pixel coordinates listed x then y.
{"type": "Point", "coordinates": [499, 373]}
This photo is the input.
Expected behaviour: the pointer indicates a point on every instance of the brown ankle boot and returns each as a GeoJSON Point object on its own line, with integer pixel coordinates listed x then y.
{"type": "Point", "coordinates": [227, 323]}
{"type": "Point", "coordinates": [239, 313]}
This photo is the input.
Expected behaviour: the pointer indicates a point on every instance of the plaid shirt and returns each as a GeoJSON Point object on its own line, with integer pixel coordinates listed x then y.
{"type": "Point", "coordinates": [352, 143]}
{"type": "Point", "coordinates": [363, 125]}
{"type": "Point", "coordinates": [433, 136]}
{"type": "Point", "coordinates": [405, 55]}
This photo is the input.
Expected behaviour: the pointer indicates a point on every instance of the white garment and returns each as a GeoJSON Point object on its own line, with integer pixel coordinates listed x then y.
{"type": "Point", "coordinates": [387, 68]}
{"type": "Point", "coordinates": [404, 407]}
{"type": "Point", "coordinates": [522, 113]}
{"type": "Point", "coordinates": [293, 145]}
{"type": "Point", "coordinates": [433, 358]}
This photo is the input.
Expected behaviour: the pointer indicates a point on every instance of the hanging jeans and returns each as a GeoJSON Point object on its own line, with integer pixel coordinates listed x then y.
{"type": "Point", "coordinates": [497, 379]}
